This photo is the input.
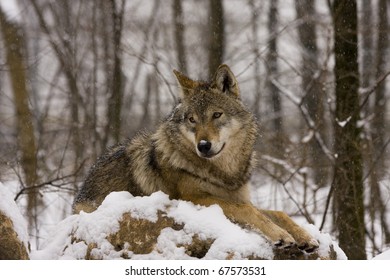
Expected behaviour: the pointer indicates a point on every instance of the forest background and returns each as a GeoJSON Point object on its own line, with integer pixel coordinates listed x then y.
{"type": "Point", "coordinates": [79, 76]}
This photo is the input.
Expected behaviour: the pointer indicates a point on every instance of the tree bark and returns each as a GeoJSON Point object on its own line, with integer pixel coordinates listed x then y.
{"type": "Point", "coordinates": [348, 170]}
{"type": "Point", "coordinates": [272, 73]}
{"type": "Point", "coordinates": [216, 36]}
{"type": "Point", "coordinates": [311, 86]}
{"type": "Point", "coordinates": [179, 35]}
{"type": "Point", "coordinates": [115, 99]}
{"type": "Point", "coordinates": [256, 71]}
{"type": "Point", "coordinates": [380, 127]}
{"type": "Point", "coordinates": [367, 51]}
{"type": "Point", "coordinates": [15, 57]}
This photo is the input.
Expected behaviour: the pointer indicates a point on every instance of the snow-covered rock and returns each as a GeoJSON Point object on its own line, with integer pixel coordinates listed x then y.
{"type": "Point", "coordinates": [13, 229]}
{"type": "Point", "coordinates": [155, 227]}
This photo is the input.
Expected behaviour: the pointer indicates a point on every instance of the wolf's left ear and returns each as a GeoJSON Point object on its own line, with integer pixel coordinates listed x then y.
{"type": "Point", "coordinates": [186, 84]}
{"type": "Point", "coordinates": [226, 82]}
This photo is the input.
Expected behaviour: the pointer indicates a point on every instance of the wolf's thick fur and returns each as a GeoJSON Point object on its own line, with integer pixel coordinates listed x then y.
{"type": "Point", "coordinates": [203, 152]}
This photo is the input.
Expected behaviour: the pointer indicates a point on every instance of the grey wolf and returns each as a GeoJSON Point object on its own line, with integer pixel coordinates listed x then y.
{"type": "Point", "coordinates": [202, 152]}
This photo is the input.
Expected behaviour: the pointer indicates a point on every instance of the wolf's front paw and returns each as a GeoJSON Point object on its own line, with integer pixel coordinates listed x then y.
{"type": "Point", "coordinates": [282, 244]}
{"type": "Point", "coordinates": [283, 240]}
{"type": "Point", "coordinates": [309, 245]}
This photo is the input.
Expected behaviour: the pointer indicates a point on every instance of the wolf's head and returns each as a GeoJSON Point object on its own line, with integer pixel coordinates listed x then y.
{"type": "Point", "coordinates": [210, 115]}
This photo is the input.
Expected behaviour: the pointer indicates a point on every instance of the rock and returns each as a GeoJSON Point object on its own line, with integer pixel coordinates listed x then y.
{"type": "Point", "coordinates": [11, 247]}
{"type": "Point", "coordinates": [13, 229]}
{"type": "Point", "coordinates": [155, 227]}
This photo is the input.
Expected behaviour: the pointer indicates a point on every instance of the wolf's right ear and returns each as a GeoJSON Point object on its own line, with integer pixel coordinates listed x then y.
{"type": "Point", "coordinates": [226, 82]}
{"type": "Point", "coordinates": [186, 84]}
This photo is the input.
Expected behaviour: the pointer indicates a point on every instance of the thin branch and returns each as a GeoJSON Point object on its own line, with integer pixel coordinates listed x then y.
{"type": "Point", "coordinates": [328, 199]}
{"type": "Point", "coordinates": [369, 90]}
{"type": "Point", "coordinates": [382, 152]}
{"type": "Point", "coordinates": [283, 183]}
{"type": "Point", "coordinates": [53, 183]}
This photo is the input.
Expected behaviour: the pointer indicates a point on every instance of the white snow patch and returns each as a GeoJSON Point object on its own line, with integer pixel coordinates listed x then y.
{"type": "Point", "coordinates": [343, 123]}
{"type": "Point", "coordinates": [308, 137]}
{"type": "Point", "coordinates": [210, 222]}
{"type": "Point", "coordinates": [325, 241]}
{"type": "Point", "coordinates": [383, 256]}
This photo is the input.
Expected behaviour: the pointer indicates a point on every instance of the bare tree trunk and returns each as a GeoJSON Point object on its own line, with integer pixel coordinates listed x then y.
{"type": "Point", "coordinates": [272, 62]}
{"type": "Point", "coordinates": [179, 35]}
{"type": "Point", "coordinates": [157, 103]}
{"type": "Point", "coordinates": [145, 120]}
{"type": "Point", "coordinates": [93, 113]}
{"type": "Point", "coordinates": [216, 36]}
{"type": "Point", "coordinates": [376, 133]}
{"type": "Point", "coordinates": [256, 50]}
{"type": "Point", "coordinates": [272, 72]}
{"type": "Point", "coordinates": [311, 86]}
{"type": "Point", "coordinates": [380, 127]}
{"type": "Point", "coordinates": [16, 56]}
{"type": "Point", "coordinates": [116, 98]}
{"type": "Point", "coordinates": [366, 31]}
{"type": "Point", "coordinates": [348, 170]}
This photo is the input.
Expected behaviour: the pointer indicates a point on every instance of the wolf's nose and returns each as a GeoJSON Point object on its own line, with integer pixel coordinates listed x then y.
{"type": "Point", "coordinates": [204, 146]}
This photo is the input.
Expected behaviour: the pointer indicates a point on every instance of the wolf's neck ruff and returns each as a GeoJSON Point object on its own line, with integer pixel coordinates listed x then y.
{"type": "Point", "coordinates": [230, 170]}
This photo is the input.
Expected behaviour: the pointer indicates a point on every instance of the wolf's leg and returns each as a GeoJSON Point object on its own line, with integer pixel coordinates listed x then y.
{"type": "Point", "coordinates": [246, 214]}
{"type": "Point", "coordinates": [303, 239]}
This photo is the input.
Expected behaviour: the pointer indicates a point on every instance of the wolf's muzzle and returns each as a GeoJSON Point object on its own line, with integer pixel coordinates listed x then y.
{"type": "Point", "coordinates": [205, 149]}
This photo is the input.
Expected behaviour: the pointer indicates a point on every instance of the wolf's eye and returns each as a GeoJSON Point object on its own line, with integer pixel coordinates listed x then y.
{"type": "Point", "coordinates": [192, 120]}
{"type": "Point", "coordinates": [217, 115]}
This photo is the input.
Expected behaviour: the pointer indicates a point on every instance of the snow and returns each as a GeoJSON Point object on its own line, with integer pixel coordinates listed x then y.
{"type": "Point", "coordinates": [325, 240]}
{"type": "Point", "coordinates": [308, 137]}
{"type": "Point", "coordinates": [9, 208]}
{"type": "Point", "coordinates": [343, 123]}
{"type": "Point", "coordinates": [384, 256]}
{"type": "Point", "coordinates": [210, 222]}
